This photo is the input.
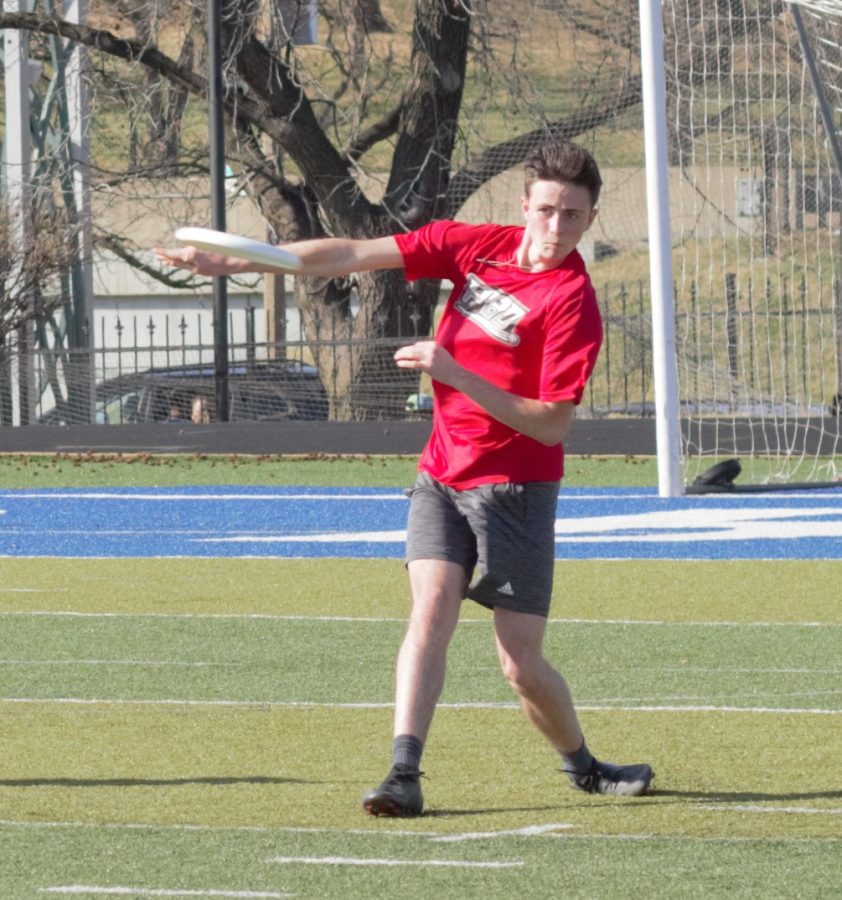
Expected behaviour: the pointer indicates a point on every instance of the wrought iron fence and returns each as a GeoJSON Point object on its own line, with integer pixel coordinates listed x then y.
{"type": "Point", "coordinates": [146, 369]}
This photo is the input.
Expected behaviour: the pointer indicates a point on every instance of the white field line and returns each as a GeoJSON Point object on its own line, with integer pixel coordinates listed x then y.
{"type": "Point", "coordinates": [119, 662]}
{"type": "Point", "coordinates": [195, 534]}
{"type": "Point", "coordinates": [309, 704]}
{"type": "Point", "coordinates": [105, 891]}
{"type": "Point", "coordinates": [73, 614]}
{"type": "Point", "coordinates": [145, 826]}
{"type": "Point", "coordinates": [215, 498]}
{"type": "Point", "coordinates": [419, 863]}
{"type": "Point", "coordinates": [396, 536]}
{"type": "Point", "coordinates": [793, 810]}
{"type": "Point", "coordinates": [555, 832]}
{"type": "Point", "coordinates": [538, 830]}
{"type": "Point", "coordinates": [695, 699]}
{"type": "Point", "coordinates": [205, 664]}
{"type": "Point", "coordinates": [280, 617]}
{"type": "Point", "coordinates": [801, 670]}
{"type": "Point", "coordinates": [14, 590]}
{"type": "Point", "coordinates": [666, 702]}
{"type": "Point", "coordinates": [338, 556]}
{"type": "Point", "coordinates": [528, 831]}
{"type": "Point", "coordinates": [715, 500]}
{"type": "Point", "coordinates": [114, 495]}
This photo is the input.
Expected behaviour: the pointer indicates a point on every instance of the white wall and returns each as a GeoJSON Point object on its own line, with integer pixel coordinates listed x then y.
{"type": "Point", "coordinates": [127, 299]}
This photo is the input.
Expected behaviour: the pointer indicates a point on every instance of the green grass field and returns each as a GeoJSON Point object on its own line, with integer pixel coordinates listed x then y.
{"type": "Point", "coordinates": [134, 470]}
{"type": "Point", "coordinates": [206, 728]}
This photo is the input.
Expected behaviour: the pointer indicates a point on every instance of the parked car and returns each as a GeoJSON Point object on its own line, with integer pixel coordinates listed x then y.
{"type": "Point", "coordinates": [263, 391]}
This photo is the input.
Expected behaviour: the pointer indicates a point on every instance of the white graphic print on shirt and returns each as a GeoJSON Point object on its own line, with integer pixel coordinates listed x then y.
{"type": "Point", "coordinates": [491, 309]}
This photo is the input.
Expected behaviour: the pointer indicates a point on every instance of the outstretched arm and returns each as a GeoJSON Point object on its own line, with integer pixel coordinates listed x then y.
{"type": "Point", "coordinates": [538, 419]}
{"type": "Point", "coordinates": [321, 257]}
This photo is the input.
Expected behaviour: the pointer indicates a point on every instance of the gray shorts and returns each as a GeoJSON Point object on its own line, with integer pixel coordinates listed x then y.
{"type": "Point", "coordinates": [503, 536]}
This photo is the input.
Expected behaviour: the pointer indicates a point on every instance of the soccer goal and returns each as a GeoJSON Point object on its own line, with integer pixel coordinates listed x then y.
{"type": "Point", "coordinates": [746, 146]}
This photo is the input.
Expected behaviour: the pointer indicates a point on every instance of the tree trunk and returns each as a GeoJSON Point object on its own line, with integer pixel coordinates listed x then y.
{"type": "Point", "coordinates": [429, 111]}
{"type": "Point", "coordinates": [354, 327]}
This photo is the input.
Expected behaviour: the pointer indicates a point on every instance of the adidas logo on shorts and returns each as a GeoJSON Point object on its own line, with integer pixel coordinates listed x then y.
{"type": "Point", "coordinates": [506, 589]}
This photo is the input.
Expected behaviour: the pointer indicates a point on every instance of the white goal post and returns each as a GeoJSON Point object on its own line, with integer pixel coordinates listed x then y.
{"type": "Point", "coordinates": [660, 260]}
{"type": "Point", "coordinates": [742, 107]}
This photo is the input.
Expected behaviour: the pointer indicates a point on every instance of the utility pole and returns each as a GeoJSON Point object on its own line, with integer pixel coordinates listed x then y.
{"type": "Point", "coordinates": [18, 402]}
{"type": "Point", "coordinates": [217, 184]}
{"type": "Point", "coordinates": [78, 202]}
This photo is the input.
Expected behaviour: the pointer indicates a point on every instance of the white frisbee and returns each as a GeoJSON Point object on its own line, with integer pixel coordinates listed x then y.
{"type": "Point", "coordinates": [242, 247]}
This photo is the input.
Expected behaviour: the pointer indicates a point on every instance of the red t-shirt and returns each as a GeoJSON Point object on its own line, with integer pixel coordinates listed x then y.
{"type": "Point", "coordinates": [535, 334]}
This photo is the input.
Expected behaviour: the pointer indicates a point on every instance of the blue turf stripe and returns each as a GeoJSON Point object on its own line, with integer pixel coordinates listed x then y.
{"type": "Point", "coordinates": [609, 523]}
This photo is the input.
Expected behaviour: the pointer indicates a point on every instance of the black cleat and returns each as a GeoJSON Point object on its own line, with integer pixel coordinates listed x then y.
{"type": "Point", "coordinates": [399, 795]}
{"type": "Point", "coordinates": [606, 778]}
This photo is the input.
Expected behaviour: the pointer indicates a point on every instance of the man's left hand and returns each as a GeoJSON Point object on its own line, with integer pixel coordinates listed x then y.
{"type": "Point", "coordinates": [429, 357]}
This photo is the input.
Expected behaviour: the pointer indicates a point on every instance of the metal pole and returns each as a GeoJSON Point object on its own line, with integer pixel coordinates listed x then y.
{"type": "Point", "coordinates": [217, 185]}
{"type": "Point", "coordinates": [826, 112]}
{"type": "Point", "coordinates": [667, 424]}
{"type": "Point", "coordinates": [17, 150]}
{"type": "Point", "coordinates": [80, 340]}
{"type": "Point", "coordinates": [825, 109]}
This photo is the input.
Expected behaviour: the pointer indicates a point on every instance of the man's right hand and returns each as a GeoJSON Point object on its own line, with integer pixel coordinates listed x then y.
{"type": "Point", "coordinates": [200, 262]}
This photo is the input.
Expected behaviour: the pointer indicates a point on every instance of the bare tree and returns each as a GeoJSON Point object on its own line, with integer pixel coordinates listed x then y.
{"type": "Point", "coordinates": [31, 276]}
{"type": "Point", "coordinates": [35, 265]}
{"type": "Point", "coordinates": [303, 123]}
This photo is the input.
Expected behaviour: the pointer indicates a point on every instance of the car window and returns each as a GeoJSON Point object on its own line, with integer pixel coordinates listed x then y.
{"type": "Point", "coordinates": [277, 392]}
{"type": "Point", "coordinates": [258, 402]}
{"type": "Point", "coordinates": [115, 410]}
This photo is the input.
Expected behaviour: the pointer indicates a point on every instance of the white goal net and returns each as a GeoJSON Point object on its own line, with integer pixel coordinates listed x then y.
{"type": "Point", "coordinates": [753, 101]}
{"type": "Point", "coordinates": [753, 104]}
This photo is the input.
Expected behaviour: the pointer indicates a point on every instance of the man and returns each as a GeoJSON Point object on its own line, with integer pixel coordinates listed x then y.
{"type": "Point", "coordinates": [199, 411]}
{"type": "Point", "coordinates": [514, 348]}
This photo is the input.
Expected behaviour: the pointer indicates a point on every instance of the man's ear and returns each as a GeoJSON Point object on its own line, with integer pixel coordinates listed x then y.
{"type": "Point", "coordinates": [524, 205]}
{"type": "Point", "coordinates": [592, 216]}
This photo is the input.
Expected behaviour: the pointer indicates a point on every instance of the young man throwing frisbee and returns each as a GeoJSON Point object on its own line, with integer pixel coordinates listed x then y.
{"type": "Point", "coordinates": [512, 353]}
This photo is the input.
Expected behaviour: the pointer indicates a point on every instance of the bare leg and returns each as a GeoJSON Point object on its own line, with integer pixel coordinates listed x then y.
{"type": "Point", "coordinates": [543, 692]}
{"type": "Point", "coordinates": [437, 590]}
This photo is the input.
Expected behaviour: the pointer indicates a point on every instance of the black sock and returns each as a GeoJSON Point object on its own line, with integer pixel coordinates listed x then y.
{"type": "Point", "coordinates": [578, 762]}
{"type": "Point", "coordinates": [406, 750]}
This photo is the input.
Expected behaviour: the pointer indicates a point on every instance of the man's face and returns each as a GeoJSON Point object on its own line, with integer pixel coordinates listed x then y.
{"type": "Point", "coordinates": [557, 215]}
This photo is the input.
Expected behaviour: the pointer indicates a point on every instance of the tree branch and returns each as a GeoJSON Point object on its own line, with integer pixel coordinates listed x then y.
{"type": "Point", "coordinates": [178, 280]}
{"type": "Point", "coordinates": [99, 39]}
{"type": "Point", "coordinates": [375, 133]}
{"type": "Point", "coordinates": [429, 110]}
{"type": "Point", "coordinates": [503, 156]}
{"type": "Point", "coordinates": [274, 103]}
{"type": "Point", "coordinates": [279, 107]}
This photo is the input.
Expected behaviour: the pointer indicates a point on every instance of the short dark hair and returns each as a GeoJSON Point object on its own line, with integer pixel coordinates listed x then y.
{"type": "Point", "coordinates": [562, 160]}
